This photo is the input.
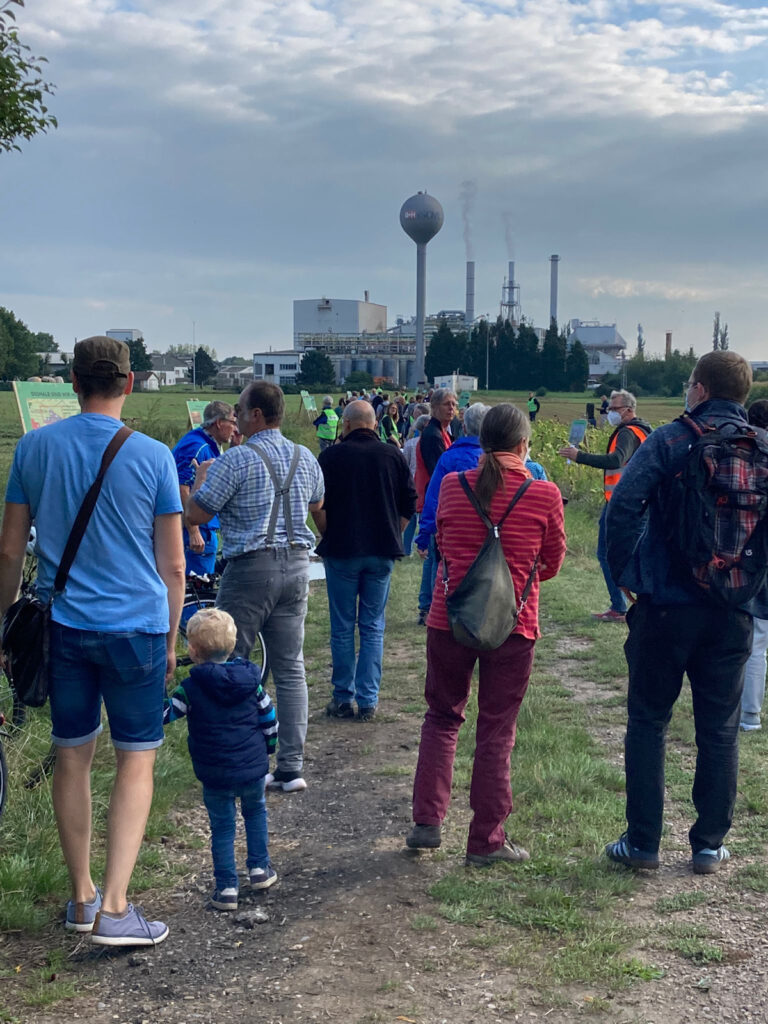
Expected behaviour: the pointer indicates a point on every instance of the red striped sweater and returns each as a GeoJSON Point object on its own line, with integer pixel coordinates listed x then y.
{"type": "Point", "coordinates": [535, 526]}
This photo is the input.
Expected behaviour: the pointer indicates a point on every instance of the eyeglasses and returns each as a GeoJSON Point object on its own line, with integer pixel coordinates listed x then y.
{"type": "Point", "coordinates": [617, 408]}
{"type": "Point", "coordinates": [232, 423]}
{"type": "Point", "coordinates": [688, 384]}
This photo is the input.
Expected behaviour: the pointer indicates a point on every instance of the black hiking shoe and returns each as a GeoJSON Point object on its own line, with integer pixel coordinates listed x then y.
{"type": "Point", "coordinates": [336, 710]}
{"type": "Point", "coordinates": [423, 837]}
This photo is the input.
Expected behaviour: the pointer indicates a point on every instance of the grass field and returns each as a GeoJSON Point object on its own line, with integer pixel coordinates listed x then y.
{"type": "Point", "coordinates": [559, 918]}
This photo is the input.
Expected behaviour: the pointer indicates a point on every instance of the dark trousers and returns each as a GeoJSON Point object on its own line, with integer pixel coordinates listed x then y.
{"type": "Point", "coordinates": [712, 645]}
{"type": "Point", "coordinates": [503, 680]}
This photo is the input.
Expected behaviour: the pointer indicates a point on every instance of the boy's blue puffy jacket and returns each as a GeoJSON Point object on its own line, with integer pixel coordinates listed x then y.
{"type": "Point", "coordinates": [232, 725]}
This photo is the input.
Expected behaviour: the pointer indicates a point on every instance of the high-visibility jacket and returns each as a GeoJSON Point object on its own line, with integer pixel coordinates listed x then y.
{"type": "Point", "coordinates": [328, 429]}
{"type": "Point", "coordinates": [610, 479]}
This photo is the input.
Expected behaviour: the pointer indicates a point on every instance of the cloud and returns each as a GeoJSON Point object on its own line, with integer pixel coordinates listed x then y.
{"type": "Point", "coordinates": [624, 288]}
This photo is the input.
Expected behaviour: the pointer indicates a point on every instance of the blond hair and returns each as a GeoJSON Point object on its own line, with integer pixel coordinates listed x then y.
{"type": "Point", "coordinates": [212, 633]}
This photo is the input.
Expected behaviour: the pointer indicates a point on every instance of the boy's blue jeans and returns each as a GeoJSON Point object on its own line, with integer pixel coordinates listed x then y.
{"type": "Point", "coordinates": [222, 810]}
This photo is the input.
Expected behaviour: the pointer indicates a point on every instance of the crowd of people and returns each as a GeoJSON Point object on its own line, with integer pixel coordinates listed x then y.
{"type": "Point", "coordinates": [390, 474]}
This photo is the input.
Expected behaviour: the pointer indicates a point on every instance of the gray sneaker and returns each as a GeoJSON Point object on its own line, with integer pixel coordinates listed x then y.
{"type": "Point", "coordinates": [262, 878]}
{"type": "Point", "coordinates": [80, 916]}
{"type": "Point", "coordinates": [132, 929]}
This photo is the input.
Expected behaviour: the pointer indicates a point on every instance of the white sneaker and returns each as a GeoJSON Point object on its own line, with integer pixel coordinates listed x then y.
{"type": "Point", "coordinates": [288, 782]}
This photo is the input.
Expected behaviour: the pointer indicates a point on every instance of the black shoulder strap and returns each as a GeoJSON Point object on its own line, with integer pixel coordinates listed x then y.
{"type": "Point", "coordinates": [86, 509]}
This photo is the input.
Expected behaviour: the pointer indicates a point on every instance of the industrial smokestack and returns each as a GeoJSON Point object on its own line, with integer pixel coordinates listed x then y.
{"type": "Point", "coordinates": [469, 308]}
{"type": "Point", "coordinates": [366, 293]}
{"type": "Point", "coordinates": [511, 280]}
{"type": "Point", "coordinates": [668, 345]}
{"type": "Point", "coordinates": [553, 261]}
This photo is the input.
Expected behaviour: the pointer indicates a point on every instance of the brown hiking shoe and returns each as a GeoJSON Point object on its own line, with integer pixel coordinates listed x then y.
{"type": "Point", "coordinates": [510, 853]}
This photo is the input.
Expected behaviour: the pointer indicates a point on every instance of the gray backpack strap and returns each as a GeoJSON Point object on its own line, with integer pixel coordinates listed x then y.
{"type": "Point", "coordinates": [281, 490]}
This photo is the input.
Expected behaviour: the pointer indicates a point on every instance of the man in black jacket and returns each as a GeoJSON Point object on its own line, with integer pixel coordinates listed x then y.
{"type": "Point", "coordinates": [369, 500]}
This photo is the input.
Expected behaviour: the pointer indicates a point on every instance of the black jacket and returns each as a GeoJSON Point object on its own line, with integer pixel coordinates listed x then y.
{"type": "Point", "coordinates": [368, 488]}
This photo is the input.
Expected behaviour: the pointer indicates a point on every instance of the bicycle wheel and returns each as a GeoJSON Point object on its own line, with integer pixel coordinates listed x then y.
{"type": "Point", "coordinates": [3, 778]}
{"type": "Point", "coordinates": [196, 604]}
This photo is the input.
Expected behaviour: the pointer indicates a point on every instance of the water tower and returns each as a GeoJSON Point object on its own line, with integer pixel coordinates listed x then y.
{"type": "Point", "coordinates": [421, 217]}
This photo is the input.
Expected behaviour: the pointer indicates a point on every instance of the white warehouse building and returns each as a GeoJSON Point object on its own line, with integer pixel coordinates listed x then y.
{"type": "Point", "coordinates": [604, 345]}
{"type": "Point", "coordinates": [336, 316]}
{"type": "Point", "coordinates": [277, 367]}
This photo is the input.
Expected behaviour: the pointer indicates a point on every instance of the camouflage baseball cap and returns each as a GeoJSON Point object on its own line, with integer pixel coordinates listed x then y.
{"type": "Point", "coordinates": [102, 357]}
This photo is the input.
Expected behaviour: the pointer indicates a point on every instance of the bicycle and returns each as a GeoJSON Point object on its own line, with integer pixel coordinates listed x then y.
{"type": "Point", "coordinates": [3, 766]}
{"type": "Point", "coordinates": [201, 593]}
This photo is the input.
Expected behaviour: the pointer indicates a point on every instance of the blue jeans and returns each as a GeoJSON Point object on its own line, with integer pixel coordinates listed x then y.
{"type": "Point", "coordinates": [125, 670]}
{"type": "Point", "coordinates": [618, 600]}
{"type": "Point", "coordinates": [428, 576]}
{"type": "Point", "coordinates": [408, 534]}
{"type": "Point", "coordinates": [222, 811]}
{"type": "Point", "coordinates": [358, 589]}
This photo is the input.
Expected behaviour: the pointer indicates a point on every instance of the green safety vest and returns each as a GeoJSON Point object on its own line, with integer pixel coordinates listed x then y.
{"type": "Point", "coordinates": [531, 405]}
{"type": "Point", "coordinates": [327, 430]}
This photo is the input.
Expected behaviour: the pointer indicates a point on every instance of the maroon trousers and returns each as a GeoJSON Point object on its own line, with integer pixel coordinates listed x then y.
{"type": "Point", "coordinates": [504, 675]}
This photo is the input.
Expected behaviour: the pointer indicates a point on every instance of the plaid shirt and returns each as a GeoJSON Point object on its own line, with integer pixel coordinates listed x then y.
{"type": "Point", "coordinates": [239, 490]}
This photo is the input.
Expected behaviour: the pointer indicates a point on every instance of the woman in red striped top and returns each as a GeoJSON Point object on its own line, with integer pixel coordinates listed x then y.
{"type": "Point", "coordinates": [533, 530]}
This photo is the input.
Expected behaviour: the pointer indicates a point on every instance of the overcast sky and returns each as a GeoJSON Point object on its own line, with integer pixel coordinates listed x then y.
{"type": "Point", "coordinates": [216, 160]}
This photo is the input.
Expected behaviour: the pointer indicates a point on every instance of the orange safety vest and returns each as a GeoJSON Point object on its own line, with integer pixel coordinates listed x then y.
{"type": "Point", "coordinates": [611, 479]}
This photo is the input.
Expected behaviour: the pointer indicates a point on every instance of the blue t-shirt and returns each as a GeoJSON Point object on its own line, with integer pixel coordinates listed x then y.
{"type": "Point", "coordinates": [195, 444]}
{"type": "Point", "coordinates": [114, 584]}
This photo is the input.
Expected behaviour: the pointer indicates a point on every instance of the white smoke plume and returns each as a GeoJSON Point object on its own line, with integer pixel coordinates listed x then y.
{"type": "Point", "coordinates": [508, 238]}
{"type": "Point", "coordinates": [467, 197]}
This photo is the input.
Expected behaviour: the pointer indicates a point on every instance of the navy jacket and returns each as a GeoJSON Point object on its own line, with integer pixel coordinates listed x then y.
{"type": "Point", "coordinates": [232, 724]}
{"type": "Point", "coordinates": [638, 553]}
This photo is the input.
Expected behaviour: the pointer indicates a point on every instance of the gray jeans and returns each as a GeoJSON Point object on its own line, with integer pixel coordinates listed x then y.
{"type": "Point", "coordinates": [266, 592]}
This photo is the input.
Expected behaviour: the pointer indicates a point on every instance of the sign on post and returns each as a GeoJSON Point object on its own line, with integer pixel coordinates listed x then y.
{"type": "Point", "coordinates": [195, 412]}
{"type": "Point", "coordinates": [41, 404]}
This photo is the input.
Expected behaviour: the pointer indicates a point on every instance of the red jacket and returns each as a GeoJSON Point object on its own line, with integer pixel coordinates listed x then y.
{"type": "Point", "coordinates": [534, 527]}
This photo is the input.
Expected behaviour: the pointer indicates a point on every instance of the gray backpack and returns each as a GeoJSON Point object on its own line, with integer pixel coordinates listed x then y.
{"type": "Point", "coordinates": [483, 609]}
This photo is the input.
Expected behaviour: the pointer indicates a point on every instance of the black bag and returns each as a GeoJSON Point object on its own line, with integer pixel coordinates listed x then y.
{"type": "Point", "coordinates": [25, 640]}
{"type": "Point", "coordinates": [716, 511]}
{"type": "Point", "coordinates": [26, 624]}
{"type": "Point", "coordinates": [483, 609]}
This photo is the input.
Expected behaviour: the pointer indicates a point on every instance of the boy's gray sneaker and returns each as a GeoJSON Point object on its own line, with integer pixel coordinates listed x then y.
{"type": "Point", "coordinates": [80, 916]}
{"type": "Point", "coordinates": [224, 899]}
{"type": "Point", "coordinates": [336, 710]}
{"type": "Point", "coordinates": [262, 878]}
{"type": "Point", "coordinates": [132, 929]}
{"type": "Point", "coordinates": [707, 862]}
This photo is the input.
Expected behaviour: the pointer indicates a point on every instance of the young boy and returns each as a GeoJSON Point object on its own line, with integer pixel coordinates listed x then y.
{"type": "Point", "coordinates": [232, 732]}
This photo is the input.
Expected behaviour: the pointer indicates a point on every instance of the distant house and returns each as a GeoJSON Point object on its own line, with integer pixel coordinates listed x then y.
{"type": "Point", "coordinates": [146, 380]}
{"type": "Point", "coordinates": [54, 363]}
{"type": "Point", "coordinates": [233, 378]}
{"type": "Point", "coordinates": [170, 369]}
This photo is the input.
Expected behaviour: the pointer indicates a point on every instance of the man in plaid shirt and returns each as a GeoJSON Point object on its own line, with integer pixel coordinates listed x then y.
{"type": "Point", "coordinates": [675, 628]}
{"type": "Point", "coordinates": [262, 492]}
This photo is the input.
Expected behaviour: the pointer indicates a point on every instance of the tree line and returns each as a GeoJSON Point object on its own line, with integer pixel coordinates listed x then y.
{"type": "Point", "coordinates": [504, 357]}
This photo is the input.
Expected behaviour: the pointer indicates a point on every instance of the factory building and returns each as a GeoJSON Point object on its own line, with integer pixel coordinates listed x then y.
{"type": "Point", "coordinates": [604, 345]}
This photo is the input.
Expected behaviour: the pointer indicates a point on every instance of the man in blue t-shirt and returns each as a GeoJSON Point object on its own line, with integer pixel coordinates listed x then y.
{"type": "Point", "coordinates": [113, 627]}
{"type": "Point", "coordinates": [201, 543]}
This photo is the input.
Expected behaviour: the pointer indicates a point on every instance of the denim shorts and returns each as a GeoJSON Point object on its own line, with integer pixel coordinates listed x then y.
{"type": "Point", "coordinates": [125, 670]}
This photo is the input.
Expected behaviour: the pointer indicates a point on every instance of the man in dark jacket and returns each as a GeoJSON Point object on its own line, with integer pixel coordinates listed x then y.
{"type": "Point", "coordinates": [675, 628]}
{"type": "Point", "coordinates": [369, 499]}
{"type": "Point", "coordinates": [628, 434]}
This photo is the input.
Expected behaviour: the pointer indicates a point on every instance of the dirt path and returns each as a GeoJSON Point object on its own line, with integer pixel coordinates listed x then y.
{"type": "Point", "coordinates": [351, 934]}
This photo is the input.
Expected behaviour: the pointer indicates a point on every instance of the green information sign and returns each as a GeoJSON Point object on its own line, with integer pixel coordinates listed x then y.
{"type": "Point", "coordinates": [195, 412]}
{"type": "Point", "coordinates": [41, 404]}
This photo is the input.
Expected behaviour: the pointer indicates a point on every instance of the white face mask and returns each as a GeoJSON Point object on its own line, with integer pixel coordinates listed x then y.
{"type": "Point", "coordinates": [614, 417]}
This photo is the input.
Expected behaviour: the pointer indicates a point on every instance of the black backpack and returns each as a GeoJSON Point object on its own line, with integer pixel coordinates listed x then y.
{"type": "Point", "coordinates": [716, 511]}
{"type": "Point", "coordinates": [483, 609]}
